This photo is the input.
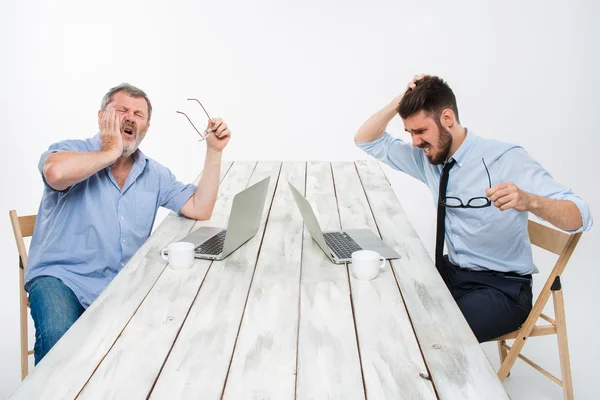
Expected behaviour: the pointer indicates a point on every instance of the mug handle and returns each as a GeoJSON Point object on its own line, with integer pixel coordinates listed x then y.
{"type": "Point", "coordinates": [163, 255]}
{"type": "Point", "coordinates": [383, 262]}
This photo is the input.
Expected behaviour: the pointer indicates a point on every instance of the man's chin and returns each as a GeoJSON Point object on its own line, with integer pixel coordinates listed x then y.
{"type": "Point", "coordinates": [129, 151]}
{"type": "Point", "coordinates": [433, 159]}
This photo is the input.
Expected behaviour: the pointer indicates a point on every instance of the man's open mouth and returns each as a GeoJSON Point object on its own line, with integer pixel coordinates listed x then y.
{"type": "Point", "coordinates": [128, 131]}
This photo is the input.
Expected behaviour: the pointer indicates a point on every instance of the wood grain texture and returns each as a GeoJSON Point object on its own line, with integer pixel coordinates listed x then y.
{"type": "Point", "coordinates": [67, 367]}
{"type": "Point", "coordinates": [458, 366]}
{"type": "Point", "coordinates": [200, 358]}
{"type": "Point", "coordinates": [264, 360]}
{"type": "Point", "coordinates": [328, 359]}
{"type": "Point", "coordinates": [391, 359]}
{"type": "Point", "coordinates": [148, 338]}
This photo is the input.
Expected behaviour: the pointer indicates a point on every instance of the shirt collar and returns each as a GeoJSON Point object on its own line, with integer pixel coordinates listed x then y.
{"type": "Point", "coordinates": [465, 148]}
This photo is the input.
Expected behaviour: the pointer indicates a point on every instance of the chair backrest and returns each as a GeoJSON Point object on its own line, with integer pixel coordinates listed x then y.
{"type": "Point", "coordinates": [22, 228]}
{"type": "Point", "coordinates": [554, 241]}
{"type": "Point", "coordinates": [559, 243]}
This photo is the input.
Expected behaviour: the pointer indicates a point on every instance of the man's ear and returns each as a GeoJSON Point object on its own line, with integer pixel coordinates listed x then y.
{"type": "Point", "coordinates": [447, 118]}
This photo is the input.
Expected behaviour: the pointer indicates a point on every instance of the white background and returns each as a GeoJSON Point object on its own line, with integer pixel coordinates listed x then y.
{"type": "Point", "coordinates": [295, 81]}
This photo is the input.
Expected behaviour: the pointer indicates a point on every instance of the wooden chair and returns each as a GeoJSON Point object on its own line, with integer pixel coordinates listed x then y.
{"type": "Point", "coordinates": [23, 227]}
{"type": "Point", "coordinates": [561, 244]}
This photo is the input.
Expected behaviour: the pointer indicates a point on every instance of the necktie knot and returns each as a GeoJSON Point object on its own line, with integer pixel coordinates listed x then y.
{"type": "Point", "coordinates": [448, 165]}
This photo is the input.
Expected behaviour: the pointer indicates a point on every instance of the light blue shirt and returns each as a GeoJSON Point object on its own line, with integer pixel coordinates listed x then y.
{"type": "Point", "coordinates": [86, 234]}
{"type": "Point", "coordinates": [484, 238]}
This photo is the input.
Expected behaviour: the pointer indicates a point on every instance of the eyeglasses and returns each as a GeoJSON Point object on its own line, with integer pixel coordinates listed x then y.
{"type": "Point", "coordinates": [475, 202]}
{"type": "Point", "coordinates": [207, 131]}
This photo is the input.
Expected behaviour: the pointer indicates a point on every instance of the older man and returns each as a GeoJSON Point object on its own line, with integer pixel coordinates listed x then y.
{"type": "Point", "coordinates": [100, 200]}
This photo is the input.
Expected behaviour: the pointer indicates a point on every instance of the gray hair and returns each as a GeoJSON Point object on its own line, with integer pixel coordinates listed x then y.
{"type": "Point", "coordinates": [130, 90]}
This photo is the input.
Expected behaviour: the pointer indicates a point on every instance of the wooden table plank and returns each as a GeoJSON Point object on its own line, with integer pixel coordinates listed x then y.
{"type": "Point", "coordinates": [328, 359]}
{"type": "Point", "coordinates": [67, 367]}
{"type": "Point", "coordinates": [458, 365]}
{"type": "Point", "coordinates": [391, 359]}
{"type": "Point", "coordinates": [264, 361]}
{"type": "Point", "coordinates": [148, 338]}
{"type": "Point", "coordinates": [200, 358]}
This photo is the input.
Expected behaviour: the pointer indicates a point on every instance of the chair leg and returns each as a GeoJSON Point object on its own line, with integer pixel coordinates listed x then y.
{"type": "Point", "coordinates": [502, 352]}
{"type": "Point", "coordinates": [24, 334]}
{"type": "Point", "coordinates": [563, 345]}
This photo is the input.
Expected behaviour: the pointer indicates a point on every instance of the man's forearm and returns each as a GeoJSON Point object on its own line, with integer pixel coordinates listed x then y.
{"type": "Point", "coordinates": [205, 197]}
{"type": "Point", "coordinates": [563, 214]}
{"type": "Point", "coordinates": [375, 126]}
{"type": "Point", "coordinates": [66, 168]}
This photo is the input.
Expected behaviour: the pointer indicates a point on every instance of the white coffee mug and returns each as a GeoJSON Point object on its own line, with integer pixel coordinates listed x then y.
{"type": "Point", "coordinates": [180, 255]}
{"type": "Point", "coordinates": [366, 264]}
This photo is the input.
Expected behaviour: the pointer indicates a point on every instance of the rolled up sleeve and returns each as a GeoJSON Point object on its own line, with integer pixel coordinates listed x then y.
{"type": "Point", "coordinates": [66, 145]}
{"type": "Point", "coordinates": [531, 177]}
{"type": "Point", "coordinates": [396, 153]}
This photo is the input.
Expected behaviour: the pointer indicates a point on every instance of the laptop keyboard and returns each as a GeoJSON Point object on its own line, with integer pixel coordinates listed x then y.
{"type": "Point", "coordinates": [341, 244]}
{"type": "Point", "coordinates": [214, 245]}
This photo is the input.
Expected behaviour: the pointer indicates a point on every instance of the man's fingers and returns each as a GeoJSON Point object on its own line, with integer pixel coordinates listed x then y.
{"type": "Point", "coordinates": [504, 185]}
{"type": "Point", "coordinates": [221, 129]}
{"type": "Point", "coordinates": [413, 84]}
{"type": "Point", "coordinates": [224, 134]}
{"type": "Point", "coordinates": [500, 193]}
{"type": "Point", "coordinates": [503, 200]}
{"type": "Point", "coordinates": [509, 205]}
{"type": "Point", "coordinates": [116, 123]}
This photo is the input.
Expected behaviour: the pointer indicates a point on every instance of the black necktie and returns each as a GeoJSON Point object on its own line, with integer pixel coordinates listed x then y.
{"type": "Point", "coordinates": [441, 215]}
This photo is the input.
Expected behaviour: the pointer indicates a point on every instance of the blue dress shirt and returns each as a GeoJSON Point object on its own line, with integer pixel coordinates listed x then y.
{"type": "Point", "coordinates": [484, 238]}
{"type": "Point", "coordinates": [86, 234]}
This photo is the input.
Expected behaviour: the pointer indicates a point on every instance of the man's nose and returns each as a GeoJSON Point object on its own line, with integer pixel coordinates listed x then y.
{"type": "Point", "coordinates": [416, 141]}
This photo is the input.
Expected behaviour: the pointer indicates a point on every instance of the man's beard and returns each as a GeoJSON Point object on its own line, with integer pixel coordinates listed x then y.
{"type": "Point", "coordinates": [444, 143]}
{"type": "Point", "coordinates": [136, 138]}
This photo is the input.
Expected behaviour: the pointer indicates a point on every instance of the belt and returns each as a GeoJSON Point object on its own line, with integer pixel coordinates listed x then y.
{"type": "Point", "coordinates": [508, 275]}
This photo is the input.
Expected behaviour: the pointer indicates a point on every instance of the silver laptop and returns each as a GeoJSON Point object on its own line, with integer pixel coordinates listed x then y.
{"type": "Point", "coordinates": [213, 243]}
{"type": "Point", "coordinates": [339, 245]}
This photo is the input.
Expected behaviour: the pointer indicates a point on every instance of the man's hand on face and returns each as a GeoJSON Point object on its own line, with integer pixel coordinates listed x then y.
{"type": "Point", "coordinates": [110, 132]}
{"type": "Point", "coordinates": [507, 195]}
{"type": "Point", "coordinates": [219, 134]}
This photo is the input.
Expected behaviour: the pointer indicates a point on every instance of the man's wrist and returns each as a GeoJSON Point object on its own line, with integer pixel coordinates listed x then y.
{"type": "Point", "coordinates": [110, 155]}
{"type": "Point", "coordinates": [533, 202]}
{"type": "Point", "coordinates": [213, 157]}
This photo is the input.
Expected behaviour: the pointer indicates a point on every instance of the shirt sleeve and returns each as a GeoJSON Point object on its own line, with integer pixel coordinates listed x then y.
{"type": "Point", "coordinates": [173, 193]}
{"type": "Point", "coordinates": [396, 153]}
{"type": "Point", "coordinates": [522, 170]}
{"type": "Point", "coordinates": [65, 145]}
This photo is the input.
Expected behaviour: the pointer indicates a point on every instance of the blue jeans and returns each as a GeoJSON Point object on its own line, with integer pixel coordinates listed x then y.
{"type": "Point", "coordinates": [54, 308]}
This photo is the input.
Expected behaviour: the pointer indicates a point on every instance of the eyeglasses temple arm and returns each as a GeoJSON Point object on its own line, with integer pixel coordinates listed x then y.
{"type": "Point", "coordinates": [488, 172]}
{"type": "Point", "coordinates": [188, 118]}
{"type": "Point", "coordinates": [206, 112]}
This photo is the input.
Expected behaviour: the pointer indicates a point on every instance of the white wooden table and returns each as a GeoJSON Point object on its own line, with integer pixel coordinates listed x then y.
{"type": "Point", "coordinates": [275, 319]}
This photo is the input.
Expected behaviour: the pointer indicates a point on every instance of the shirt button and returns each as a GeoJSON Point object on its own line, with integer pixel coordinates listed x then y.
{"type": "Point", "coordinates": [123, 240]}
{"type": "Point", "coordinates": [121, 218]}
{"type": "Point", "coordinates": [122, 265]}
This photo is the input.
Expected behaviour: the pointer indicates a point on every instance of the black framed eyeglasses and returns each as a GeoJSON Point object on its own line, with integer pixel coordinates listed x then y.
{"type": "Point", "coordinates": [204, 134]}
{"type": "Point", "coordinates": [475, 202]}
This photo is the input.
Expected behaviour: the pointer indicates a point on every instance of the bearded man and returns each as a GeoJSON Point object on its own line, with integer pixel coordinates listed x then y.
{"type": "Point", "coordinates": [489, 265]}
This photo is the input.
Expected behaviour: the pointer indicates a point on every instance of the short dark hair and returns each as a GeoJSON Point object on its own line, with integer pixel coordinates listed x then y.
{"type": "Point", "coordinates": [131, 91]}
{"type": "Point", "coordinates": [431, 95]}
